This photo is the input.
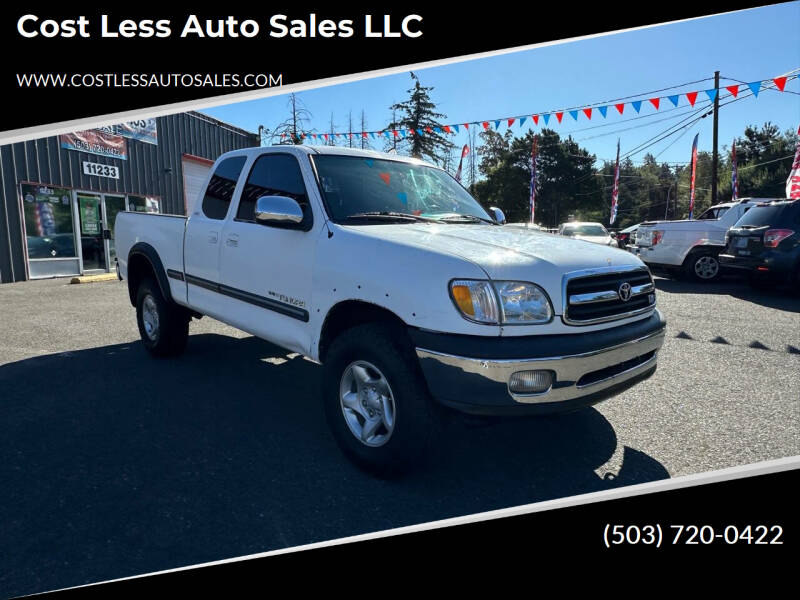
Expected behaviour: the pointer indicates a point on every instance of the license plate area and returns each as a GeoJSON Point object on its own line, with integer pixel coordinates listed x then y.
{"type": "Point", "coordinates": [740, 242]}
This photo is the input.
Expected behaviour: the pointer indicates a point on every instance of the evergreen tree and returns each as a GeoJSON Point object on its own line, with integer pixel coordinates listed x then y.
{"type": "Point", "coordinates": [419, 113]}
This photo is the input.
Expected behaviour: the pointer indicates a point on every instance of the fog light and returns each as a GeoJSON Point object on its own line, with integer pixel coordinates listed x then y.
{"type": "Point", "coordinates": [530, 382]}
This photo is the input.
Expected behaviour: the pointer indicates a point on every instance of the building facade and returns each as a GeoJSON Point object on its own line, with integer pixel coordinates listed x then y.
{"type": "Point", "coordinates": [60, 194]}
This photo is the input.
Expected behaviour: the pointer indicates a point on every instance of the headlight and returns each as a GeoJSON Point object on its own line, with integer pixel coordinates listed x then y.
{"type": "Point", "coordinates": [501, 302]}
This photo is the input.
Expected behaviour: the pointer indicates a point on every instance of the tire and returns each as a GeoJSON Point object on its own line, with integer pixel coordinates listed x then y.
{"type": "Point", "coordinates": [163, 325]}
{"type": "Point", "coordinates": [376, 400]}
{"type": "Point", "coordinates": [702, 266]}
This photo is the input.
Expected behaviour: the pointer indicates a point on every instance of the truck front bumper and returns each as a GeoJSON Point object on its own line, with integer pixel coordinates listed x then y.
{"type": "Point", "coordinates": [583, 368]}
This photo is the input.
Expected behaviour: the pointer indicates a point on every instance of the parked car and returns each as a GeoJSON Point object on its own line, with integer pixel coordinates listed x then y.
{"type": "Point", "coordinates": [588, 232]}
{"type": "Point", "coordinates": [690, 247]}
{"type": "Point", "coordinates": [765, 244]}
{"type": "Point", "coordinates": [411, 296]}
{"type": "Point", "coordinates": [626, 236]}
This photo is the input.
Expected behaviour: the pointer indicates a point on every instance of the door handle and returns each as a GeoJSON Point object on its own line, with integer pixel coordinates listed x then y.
{"type": "Point", "coordinates": [213, 236]}
{"type": "Point", "coordinates": [232, 241]}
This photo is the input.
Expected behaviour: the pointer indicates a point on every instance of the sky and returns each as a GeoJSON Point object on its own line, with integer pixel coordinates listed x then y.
{"type": "Point", "coordinates": [744, 46]}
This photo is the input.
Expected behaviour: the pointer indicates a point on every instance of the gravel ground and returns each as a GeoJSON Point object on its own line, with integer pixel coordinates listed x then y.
{"type": "Point", "coordinates": [117, 464]}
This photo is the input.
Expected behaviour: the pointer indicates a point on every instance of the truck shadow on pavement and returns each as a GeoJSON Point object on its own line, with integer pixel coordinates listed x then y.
{"type": "Point", "coordinates": [115, 463]}
{"type": "Point", "coordinates": [777, 297]}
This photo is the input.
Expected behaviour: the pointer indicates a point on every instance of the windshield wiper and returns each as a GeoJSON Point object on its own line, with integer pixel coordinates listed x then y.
{"type": "Point", "coordinates": [388, 215]}
{"type": "Point", "coordinates": [454, 218]}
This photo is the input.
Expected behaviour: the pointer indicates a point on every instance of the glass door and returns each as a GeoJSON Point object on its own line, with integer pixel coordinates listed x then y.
{"type": "Point", "coordinates": [93, 248]}
{"type": "Point", "coordinates": [112, 205]}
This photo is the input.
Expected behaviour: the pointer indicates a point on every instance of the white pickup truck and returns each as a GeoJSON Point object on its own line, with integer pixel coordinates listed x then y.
{"type": "Point", "coordinates": [412, 297]}
{"type": "Point", "coordinates": [690, 247]}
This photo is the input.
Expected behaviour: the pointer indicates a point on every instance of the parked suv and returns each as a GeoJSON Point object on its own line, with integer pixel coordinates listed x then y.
{"type": "Point", "coordinates": [765, 243]}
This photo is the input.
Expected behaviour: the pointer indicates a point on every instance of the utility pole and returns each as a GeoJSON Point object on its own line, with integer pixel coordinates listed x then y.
{"type": "Point", "coordinates": [715, 154]}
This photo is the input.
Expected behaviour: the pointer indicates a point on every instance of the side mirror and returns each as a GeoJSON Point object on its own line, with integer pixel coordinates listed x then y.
{"type": "Point", "coordinates": [278, 210]}
{"type": "Point", "coordinates": [498, 215]}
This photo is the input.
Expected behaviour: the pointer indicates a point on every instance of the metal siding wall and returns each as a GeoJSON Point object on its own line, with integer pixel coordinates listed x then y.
{"type": "Point", "coordinates": [143, 173]}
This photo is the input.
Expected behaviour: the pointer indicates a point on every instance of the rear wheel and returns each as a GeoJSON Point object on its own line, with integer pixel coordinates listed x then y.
{"type": "Point", "coordinates": [163, 325]}
{"type": "Point", "coordinates": [702, 266]}
{"type": "Point", "coordinates": [376, 400]}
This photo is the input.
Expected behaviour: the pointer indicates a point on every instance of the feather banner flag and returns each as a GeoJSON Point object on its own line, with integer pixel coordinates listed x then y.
{"type": "Point", "coordinates": [534, 150]}
{"type": "Point", "coordinates": [694, 174]}
{"type": "Point", "coordinates": [615, 191]}
{"type": "Point", "coordinates": [793, 181]}
{"type": "Point", "coordinates": [734, 175]}
{"type": "Point", "coordinates": [464, 152]}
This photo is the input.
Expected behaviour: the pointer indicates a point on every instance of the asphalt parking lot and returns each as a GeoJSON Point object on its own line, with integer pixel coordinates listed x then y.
{"type": "Point", "coordinates": [116, 464]}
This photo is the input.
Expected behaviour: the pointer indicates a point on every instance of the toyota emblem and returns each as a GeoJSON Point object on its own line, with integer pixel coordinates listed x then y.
{"type": "Point", "coordinates": [625, 292]}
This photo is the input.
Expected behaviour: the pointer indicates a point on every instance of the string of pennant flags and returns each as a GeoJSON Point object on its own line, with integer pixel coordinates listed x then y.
{"type": "Point", "coordinates": [558, 116]}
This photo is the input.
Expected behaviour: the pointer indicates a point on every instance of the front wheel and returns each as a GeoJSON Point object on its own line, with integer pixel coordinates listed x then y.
{"type": "Point", "coordinates": [702, 266]}
{"type": "Point", "coordinates": [376, 401]}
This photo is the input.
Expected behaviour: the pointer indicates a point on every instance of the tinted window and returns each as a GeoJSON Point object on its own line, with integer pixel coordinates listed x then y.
{"type": "Point", "coordinates": [772, 215]}
{"type": "Point", "coordinates": [273, 175]}
{"type": "Point", "coordinates": [713, 213]}
{"type": "Point", "coordinates": [220, 188]}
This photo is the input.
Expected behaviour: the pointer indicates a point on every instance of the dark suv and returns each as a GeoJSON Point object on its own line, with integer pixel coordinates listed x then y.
{"type": "Point", "coordinates": [765, 243]}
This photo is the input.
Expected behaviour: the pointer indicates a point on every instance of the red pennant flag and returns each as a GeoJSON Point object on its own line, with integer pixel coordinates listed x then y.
{"type": "Point", "coordinates": [733, 89]}
{"type": "Point", "coordinates": [429, 130]}
{"type": "Point", "coordinates": [387, 177]}
{"type": "Point", "coordinates": [780, 82]}
{"type": "Point", "coordinates": [535, 119]}
{"type": "Point", "coordinates": [511, 122]}
{"type": "Point", "coordinates": [447, 128]}
{"type": "Point", "coordinates": [411, 131]}
{"type": "Point", "coordinates": [620, 107]}
{"type": "Point", "coordinates": [588, 113]}
{"type": "Point", "coordinates": [691, 97]}
{"type": "Point", "coordinates": [466, 125]}
{"type": "Point", "coordinates": [394, 132]}
{"type": "Point", "coordinates": [325, 135]}
{"type": "Point", "coordinates": [655, 102]}
{"type": "Point", "coordinates": [559, 116]}
{"type": "Point", "coordinates": [363, 134]}
{"type": "Point", "coordinates": [485, 124]}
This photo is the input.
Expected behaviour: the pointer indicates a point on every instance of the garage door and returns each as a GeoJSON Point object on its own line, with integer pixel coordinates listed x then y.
{"type": "Point", "coordinates": [195, 171]}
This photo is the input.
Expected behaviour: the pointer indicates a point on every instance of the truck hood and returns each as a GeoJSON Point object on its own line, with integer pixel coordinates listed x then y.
{"type": "Point", "coordinates": [505, 253]}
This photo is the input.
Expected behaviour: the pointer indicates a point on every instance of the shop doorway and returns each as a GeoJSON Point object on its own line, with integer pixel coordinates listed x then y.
{"type": "Point", "coordinates": [96, 215]}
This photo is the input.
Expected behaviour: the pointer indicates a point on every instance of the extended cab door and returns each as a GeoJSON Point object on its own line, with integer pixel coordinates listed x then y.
{"type": "Point", "coordinates": [201, 253]}
{"type": "Point", "coordinates": [266, 271]}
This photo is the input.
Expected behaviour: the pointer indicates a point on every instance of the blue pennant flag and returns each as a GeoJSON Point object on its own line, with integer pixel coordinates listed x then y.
{"type": "Point", "coordinates": [403, 197]}
{"type": "Point", "coordinates": [636, 105]}
{"type": "Point", "coordinates": [369, 162]}
{"type": "Point", "coordinates": [437, 129]}
{"type": "Point", "coordinates": [522, 120]}
{"type": "Point", "coordinates": [603, 110]}
{"type": "Point", "coordinates": [674, 100]}
{"type": "Point", "coordinates": [403, 133]}
{"type": "Point", "coordinates": [497, 124]}
{"type": "Point", "coordinates": [574, 114]}
{"type": "Point", "coordinates": [419, 132]}
{"type": "Point", "coordinates": [372, 133]}
{"type": "Point", "coordinates": [546, 117]}
{"type": "Point", "coordinates": [712, 93]}
{"type": "Point", "coordinates": [755, 87]}
{"type": "Point", "coordinates": [386, 133]}
{"type": "Point", "coordinates": [455, 127]}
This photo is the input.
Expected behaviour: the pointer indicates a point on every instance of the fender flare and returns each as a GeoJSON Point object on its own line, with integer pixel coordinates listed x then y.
{"type": "Point", "coordinates": [151, 255]}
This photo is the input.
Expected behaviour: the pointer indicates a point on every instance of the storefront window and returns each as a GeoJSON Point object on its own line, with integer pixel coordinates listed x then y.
{"type": "Point", "coordinates": [48, 222]}
{"type": "Point", "coordinates": [148, 204]}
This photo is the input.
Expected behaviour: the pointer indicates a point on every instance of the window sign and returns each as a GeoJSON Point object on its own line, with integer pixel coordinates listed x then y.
{"type": "Point", "coordinates": [48, 221]}
{"type": "Point", "coordinates": [90, 215]}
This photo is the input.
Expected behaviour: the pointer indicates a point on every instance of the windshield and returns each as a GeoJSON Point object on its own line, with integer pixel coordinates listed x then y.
{"type": "Point", "coordinates": [585, 230]}
{"type": "Point", "coordinates": [354, 185]}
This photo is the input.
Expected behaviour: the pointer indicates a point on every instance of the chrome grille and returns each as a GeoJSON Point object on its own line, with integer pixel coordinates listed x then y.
{"type": "Point", "coordinates": [607, 294]}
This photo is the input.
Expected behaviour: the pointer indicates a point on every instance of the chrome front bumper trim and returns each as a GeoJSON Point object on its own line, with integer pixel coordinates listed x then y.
{"type": "Point", "coordinates": [459, 376]}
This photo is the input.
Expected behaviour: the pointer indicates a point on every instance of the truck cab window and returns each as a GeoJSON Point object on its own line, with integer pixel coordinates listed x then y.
{"type": "Point", "coordinates": [221, 186]}
{"type": "Point", "coordinates": [273, 175]}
